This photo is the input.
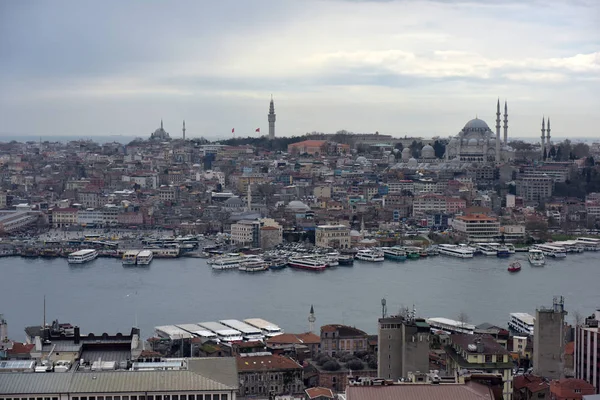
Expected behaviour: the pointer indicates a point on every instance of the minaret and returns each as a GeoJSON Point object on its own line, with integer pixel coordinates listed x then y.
{"type": "Point", "coordinates": [249, 197]}
{"type": "Point", "coordinates": [311, 319]}
{"type": "Point", "coordinates": [161, 124]}
{"type": "Point", "coordinates": [183, 129]}
{"type": "Point", "coordinates": [271, 118]}
{"type": "Point", "coordinates": [505, 124]}
{"type": "Point", "coordinates": [498, 131]}
{"type": "Point", "coordinates": [543, 136]}
{"type": "Point", "coordinates": [548, 135]}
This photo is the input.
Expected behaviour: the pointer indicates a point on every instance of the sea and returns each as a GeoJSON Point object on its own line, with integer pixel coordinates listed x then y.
{"type": "Point", "coordinates": [105, 296]}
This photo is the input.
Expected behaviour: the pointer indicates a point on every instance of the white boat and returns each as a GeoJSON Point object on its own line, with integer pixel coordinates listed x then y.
{"type": "Point", "coordinates": [536, 257]}
{"type": "Point", "coordinates": [589, 244]}
{"type": "Point", "coordinates": [225, 333]}
{"type": "Point", "coordinates": [487, 249]}
{"type": "Point", "coordinates": [551, 251]}
{"type": "Point", "coordinates": [332, 259]}
{"type": "Point", "coordinates": [372, 255]}
{"type": "Point", "coordinates": [307, 262]}
{"type": "Point", "coordinates": [460, 251]}
{"type": "Point", "coordinates": [249, 332]}
{"type": "Point", "coordinates": [522, 323]}
{"type": "Point", "coordinates": [82, 256]}
{"type": "Point", "coordinates": [144, 257]}
{"type": "Point", "coordinates": [511, 248]}
{"type": "Point", "coordinates": [268, 329]}
{"type": "Point", "coordinates": [130, 257]}
{"type": "Point", "coordinates": [232, 262]}
{"type": "Point", "coordinates": [255, 265]}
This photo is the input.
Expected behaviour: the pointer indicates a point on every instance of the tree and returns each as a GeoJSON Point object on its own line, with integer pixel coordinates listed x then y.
{"type": "Point", "coordinates": [439, 148]}
{"type": "Point", "coordinates": [555, 154]}
{"type": "Point", "coordinates": [545, 154]}
{"type": "Point", "coordinates": [580, 150]}
{"type": "Point", "coordinates": [355, 365]}
{"type": "Point", "coordinates": [463, 318]}
{"type": "Point", "coordinates": [331, 365]}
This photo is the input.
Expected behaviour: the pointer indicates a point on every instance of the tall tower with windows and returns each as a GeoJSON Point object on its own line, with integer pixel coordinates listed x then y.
{"type": "Point", "coordinates": [271, 118]}
{"type": "Point", "coordinates": [311, 319]}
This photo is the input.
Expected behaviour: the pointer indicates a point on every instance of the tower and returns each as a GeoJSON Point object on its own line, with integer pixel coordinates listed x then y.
{"type": "Point", "coordinates": [549, 340]}
{"type": "Point", "coordinates": [543, 136]}
{"type": "Point", "coordinates": [271, 118]}
{"type": "Point", "coordinates": [3, 330]}
{"type": "Point", "coordinates": [548, 135]}
{"type": "Point", "coordinates": [183, 129]}
{"type": "Point", "coordinates": [161, 124]}
{"type": "Point", "coordinates": [505, 124]}
{"type": "Point", "coordinates": [311, 319]}
{"type": "Point", "coordinates": [249, 197]}
{"type": "Point", "coordinates": [498, 131]}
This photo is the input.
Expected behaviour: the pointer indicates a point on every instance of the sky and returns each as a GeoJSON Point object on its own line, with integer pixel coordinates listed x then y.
{"type": "Point", "coordinates": [420, 68]}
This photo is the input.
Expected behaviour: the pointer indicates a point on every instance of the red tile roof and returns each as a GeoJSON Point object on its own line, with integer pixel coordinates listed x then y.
{"type": "Point", "coordinates": [291, 338]}
{"type": "Point", "coordinates": [270, 362]}
{"type": "Point", "coordinates": [20, 348]}
{"type": "Point", "coordinates": [419, 392]}
{"type": "Point", "coordinates": [319, 392]}
{"type": "Point", "coordinates": [343, 330]}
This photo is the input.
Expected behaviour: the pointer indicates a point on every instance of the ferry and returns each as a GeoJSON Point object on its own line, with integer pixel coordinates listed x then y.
{"type": "Point", "coordinates": [571, 246]}
{"type": "Point", "coordinates": [551, 251]}
{"type": "Point", "coordinates": [487, 249]}
{"type": "Point", "coordinates": [232, 261]}
{"type": "Point", "coordinates": [522, 323]}
{"type": "Point", "coordinates": [82, 256]}
{"type": "Point", "coordinates": [502, 250]}
{"type": "Point", "coordinates": [412, 253]}
{"type": "Point", "coordinates": [145, 257]}
{"type": "Point", "coordinates": [164, 252]}
{"type": "Point", "coordinates": [536, 257]}
{"type": "Point", "coordinates": [307, 262]}
{"type": "Point", "coordinates": [394, 253]}
{"type": "Point", "coordinates": [268, 329]}
{"type": "Point", "coordinates": [346, 260]}
{"type": "Point", "coordinates": [450, 326]}
{"type": "Point", "coordinates": [130, 257]}
{"type": "Point", "coordinates": [254, 265]}
{"type": "Point", "coordinates": [332, 259]}
{"type": "Point", "coordinates": [277, 263]}
{"type": "Point", "coordinates": [249, 332]}
{"type": "Point", "coordinates": [589, 244]}
{"type": "Point", "coordinates": [511, 248]}
{"type": "Point", "coordinates": [224, 333]}
{"type": "Point", "coordinates": [454, 250]}
{"type": "Point", "coordinates": [372, 255]}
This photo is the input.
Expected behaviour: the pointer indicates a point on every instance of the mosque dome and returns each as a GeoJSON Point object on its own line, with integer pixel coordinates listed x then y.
{"type": "Point", "coordinates": [297, 205]}
{"type": "Point", "coordinates": [427, 152]}
{"type": "Point", "coordinates": [355, 233]}
{"type": "Point", "coordinates": [361, 160]}
{"type": "Point", "coordinates": [412, 161]}
{"type": "Point", "coordinates": [473, 142]}
{"type": "Point", "coordinates": [405, 154]}
{"type": "Point", "coordinates": [233, 202]}
{"type": "Point", "coordinates": [476, 123]}
{"type": "Point", "coordinates": [160, 133]}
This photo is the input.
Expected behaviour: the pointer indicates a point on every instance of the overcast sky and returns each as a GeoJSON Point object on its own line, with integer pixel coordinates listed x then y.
{"type": "Point", "coordinates": [398, 67]}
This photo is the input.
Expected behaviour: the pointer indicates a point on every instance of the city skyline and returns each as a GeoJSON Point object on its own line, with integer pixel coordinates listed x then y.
{"type": "Point", "coordinates": [397, 67]}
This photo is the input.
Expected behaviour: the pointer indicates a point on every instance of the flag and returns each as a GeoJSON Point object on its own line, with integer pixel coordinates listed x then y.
{"type": "Point", "coordinates": [232, 130]}
{"type": "Point", "coordinates": [257, 130]}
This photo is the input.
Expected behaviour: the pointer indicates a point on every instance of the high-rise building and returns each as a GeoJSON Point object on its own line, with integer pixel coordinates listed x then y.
{"type": "Point", "coordinates": [403, 345]}
{"type": "Point", "coordinates": [271, 118]}
{"type": "Point", "coordinates": [549, 340]}
{"type": "Point", "coordinates": [587, 350]}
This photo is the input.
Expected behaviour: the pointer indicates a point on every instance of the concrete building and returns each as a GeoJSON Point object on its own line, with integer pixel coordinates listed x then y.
{"type": "Point", "coordinates": [342, 339]}
{"type": "Point", "coordinates": [476, 227]}
{"type": "Point", "coordinates": [403, 347]}
{"type": "Point", "coordinates": [246, 233]}
{"type": "Point", "coordinates": [2, 200]}
{"type": "Point", "coordinates": [270, 237]}
{"type": "Point", "coordinates": [261, 374]}
{"type": "Point", "coordinates": [64, 217]}
{"type": "Point", "coordinates": [336, 236]}
{"type": "Point", "coordinates": [168, 193]}
{"type": "Point", "coordinates": [89, 198]}
{"type": "Point", "coordinates": [587, 351]}
{"type": "Point", "coordinates": [549, 340]}
{"type": "Point", "coordinates": [534, 188]}
{"type": "Point", "coordinates": [480, 353]}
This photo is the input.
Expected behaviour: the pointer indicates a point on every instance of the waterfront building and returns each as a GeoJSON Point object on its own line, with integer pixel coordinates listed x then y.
{"type": "Point", "coordinates": [264, 374]}
{"type": "Point", "coordinates": [549, 340]}
{"type": "Point", "coordinates": [336, 236]}
{"type": "Point", "coordinates": [62, 217]}
{"type": "Point", "coordinates": [246, 233]}
{"type": "Point", "coordinates": [342, 339]}
{"type": "Point", "coordinates": [403, 347]}
{"type": "Point", "coordinates": [476, 227]}
{"type": "Point", "coordinates": [587, 350]}
{"type": "Point", "coordinates": [12, 221]}
{"type": "Point", "coordinates": [480, 353]}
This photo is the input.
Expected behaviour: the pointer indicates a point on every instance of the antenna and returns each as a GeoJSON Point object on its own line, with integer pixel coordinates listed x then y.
{"type": "Point", "coordinates": [383, 308]}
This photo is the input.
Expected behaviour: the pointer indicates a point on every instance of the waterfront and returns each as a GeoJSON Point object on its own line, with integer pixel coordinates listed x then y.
{"type": "Point", "coordinates": [105, 296]}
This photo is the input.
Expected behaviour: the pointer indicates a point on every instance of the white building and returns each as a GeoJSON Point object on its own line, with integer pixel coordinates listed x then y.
{"type": "Point", "coordinates": [336, 236]}
{"type": "Point", "coordinates": [90, 216]}
{"type": "Point", "coordinates": [476, 227]}
{"type": "Point", "coordinates": [246, 233]}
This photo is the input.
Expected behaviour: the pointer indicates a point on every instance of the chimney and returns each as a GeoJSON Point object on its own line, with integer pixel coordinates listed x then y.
{"type": "Point", "coordinates": [77, 335]}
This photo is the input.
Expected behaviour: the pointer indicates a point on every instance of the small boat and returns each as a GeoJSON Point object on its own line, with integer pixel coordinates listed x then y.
{"type": "Point", "coordinates": [514, 266]}
{"type": "Point", "coordinates": [346, 260]}
{"type": "Point", "coordinates": [277, 263]}
{"type": "Point", "coordinates": [256, 265]}
{"type": "Point", "coordinates": [536, 257]}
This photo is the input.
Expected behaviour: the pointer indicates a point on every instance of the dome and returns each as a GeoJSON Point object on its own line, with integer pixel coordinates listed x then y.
{"type": "Point", "coordinates": [297, 205]}
{"type": "Point", "coordinates": [473, 142]}
{"type": "Point", "coordinates": [361, 160]}
{"type": "Point", "coordinates": [355, 233]}
{"type": "Point", "coordinates": [427, 152]}
{"type": "Point", "coordinates": [476, 124]}
{"type": "Point", "coordinates": [453, 141]}
{"type": "Point", "coordinates": [406, 150]}
{"type": "Point", "coordinates": [233, 202]}
{"type": "Point", "coordinates": [412, 161]}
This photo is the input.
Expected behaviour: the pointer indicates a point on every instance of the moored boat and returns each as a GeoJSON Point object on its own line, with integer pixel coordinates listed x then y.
{"type": "Point", "coordinates": [346, 260]}
{"type": "Point", "coordinates": [394, 253]}
{"type": "Point", "coordinates": [372, 255]}
{"type": "Point", "coordinates": [82, 256]}
{"type": "Point", "coordinates": [307, 262]}
{"type": "Point", "coordinates": [254, 265]}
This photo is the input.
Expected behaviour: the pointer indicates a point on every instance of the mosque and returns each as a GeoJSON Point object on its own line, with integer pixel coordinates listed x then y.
{"type": "Point", "coordinates": [161, 134]}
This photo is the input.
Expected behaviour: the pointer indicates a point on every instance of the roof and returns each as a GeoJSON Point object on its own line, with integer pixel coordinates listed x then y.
{"type": "Point", "coordinates": [533, 383]}
{"type": "Point", "coordinates": [312, 143]}
{"type": "Point", "coordinates": [315, 392]}
{"type": "Point", "coordinates": [476, 217]}
{"type": "Point", "coordinates": [490, 346]}
{"type": "Point", "coordinates": [20, 348]}
{"type": "Point", "coordinates": [291, 338]}
{"type": "Point", "coordinates": [343, 330]}
{"type": "Point", "coordinates": [270, 362]}
{"type": "Point", "coordinates": [472, 391]}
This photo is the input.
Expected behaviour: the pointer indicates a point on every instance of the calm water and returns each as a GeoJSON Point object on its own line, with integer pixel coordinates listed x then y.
{"type": "Point", "coordinates": [104, 296]}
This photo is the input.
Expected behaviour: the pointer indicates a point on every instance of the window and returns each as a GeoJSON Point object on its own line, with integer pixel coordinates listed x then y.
{"type": "Point", "coordinates": [488, 358]}
{"type": "Point", "coordinates": [190, 397]}
{"type": "Point", "coordinates": [499, 358]}
{"type": "Point", "coordinates": [216, 396]}
{"type": "Point", "coordinates": [224, 397]}
{"type": "Point", "coordinates": [199, 397]}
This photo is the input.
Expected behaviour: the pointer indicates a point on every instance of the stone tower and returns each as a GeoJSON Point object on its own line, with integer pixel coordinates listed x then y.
{"type": "Point", "coordinates": [311, 319]}
{"type": "Point", "coordinates": [271, 118]}
{"type": "Point", "coordinates": [548, 143]}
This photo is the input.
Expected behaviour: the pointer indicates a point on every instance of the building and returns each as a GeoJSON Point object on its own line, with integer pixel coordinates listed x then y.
{"type": "Point", "coordinates": [513, 233]}
{"type": "Point", "coordinates": [530, 387]}
{"type": "Point", "coordinates": [476, 227]}
{"type": "Point", "coordinates": [312, 147]}
{"type": "Point", "coordinates": [160, 133]}
{"type": "Point", "coordinates": [64, 217]}
{"type": "Point", "coordinates": [403, 347]}
{"type": "Point", "coordinates": [270, 236]}
{"type": "Point", "coordinates": [477, 143]}
{"type": "Point", "coordinates": [419, 391]}
{"type": "Point", "coordinates": [319, 393]}
{"type": "Point", "coordinates": [336, 236]}
{"type": "Point", "coordinates": [271, 118]}
{"type": "Point", "coordinates": [342, 339]}
{"type": "Point", "coordinates": [2, 200]}
{"type": "Point", "coordinates": [199, 378]}
{"type": "Point", "coordinates": [246, 233]}
{"type": "Point", "coordinates": [168, 193]}
{"type": "Point", "coordinates": [480, 353]}
{"type": "Point", "coordinates": [308, 343]}
{"type": "Point", "coordinates": [570, 389]}
{"type": "Point", "coordinates": [587, 351]}
{"type": "Point", "coordinates": [13, 221]}
{"type": "Point", "coordinates": [261, 374]}
{"type": "Point", "coordinates": [549, 340]}
{"type": "Point", "coordinates": [534, 188]}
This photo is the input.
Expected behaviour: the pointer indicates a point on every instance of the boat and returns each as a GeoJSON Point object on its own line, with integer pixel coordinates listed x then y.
{"type": "Point", "coordinates": [423, 253]}
{"type": "Point", "coordinates": [551, 251]}
{"type": "Point", "coordinates": [536, 257]}
{"type": "Point", "coordinates": [504, 251]}
{"type": "Point", "coordinates": [460, 251]}
{"type": "Point", "coordinates": [371, 255]}
{"type": "Point", "coordinates": [589, 244]}
{"type": "Point", "coordinates": [394, 253]}
{"type": "Point", "coordinates": [310, 263]}
{"type": "Point", "coordinates": [412, 253]}
{"type": "Point", "coordinates": [433, 251]}
{"type": "Point", "coordinates": [277, 263]}
{"type": "Point", "coordinates": [514, 266]}
{"type": "Point", "coordinates": [227, 262]}
{"type": "Point", "coordinates": [144, 257]}
{"type": "Point", "coordinates": [511, 248]}
{"type": "Point", "coordinates": [487, 249]}
{"type": "Point", "coordinates": [130, 257]}
{"type": "Point", "coordinates": [254, 265]}
{"type": "Point", "coordinates": [82, 256]}
{"type": "Point", "coordinates": [332, 259]}
{"type": "Point", "coordinates": [346, 260]}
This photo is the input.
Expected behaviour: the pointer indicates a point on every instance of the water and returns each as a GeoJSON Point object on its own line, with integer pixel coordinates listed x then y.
{"type": "Point", "coordinates": [103, 296]}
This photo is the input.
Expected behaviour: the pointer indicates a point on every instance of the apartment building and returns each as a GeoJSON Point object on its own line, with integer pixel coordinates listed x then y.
{"type": "Point", "coordinates": [64, 217]}
{"type": "Point", "coordinates": [534, 188]}
{"type": "Point", "coordinates": [246, 233]}
{"type": "Point", "coordinates": [587, 350]}
{"type": "Point", "coordinates": [429, 202]}
{"type": "Point", "coordinates": [476, 227]}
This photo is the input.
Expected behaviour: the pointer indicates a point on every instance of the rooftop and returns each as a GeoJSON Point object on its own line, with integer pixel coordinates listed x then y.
{"type": "Point", "coordinates": [472, 391]}
{"type": "Point", "coordinates": [266, 362]}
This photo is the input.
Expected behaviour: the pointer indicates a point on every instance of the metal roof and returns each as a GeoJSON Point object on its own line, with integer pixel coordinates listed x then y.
{"type": "Point", "coordinates": [419, 392]}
